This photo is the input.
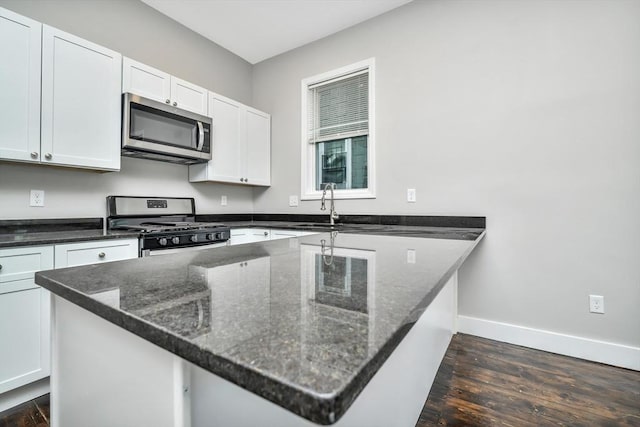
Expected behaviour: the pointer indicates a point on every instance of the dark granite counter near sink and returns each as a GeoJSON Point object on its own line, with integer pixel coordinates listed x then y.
{"type": "Point", "coordinates": [281, 332]}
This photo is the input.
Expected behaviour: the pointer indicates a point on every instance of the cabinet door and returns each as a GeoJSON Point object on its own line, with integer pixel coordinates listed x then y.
{"type": "Point", "coordinates": [99, 251]}
{"type": "Point", "coordinates": [228, 144]}
{"type": "Point", "coordinates": [258, 158]}
{"type": "Point", "coordinates": [81, 92]}
{"type": "Point", "coordinates": [24, 317]}
{"type": "Point", "coordinates": [188, 96]}
{"type": "Point", "coordinates": [20, 87]}
{"type": "Point", "coordinates": [145, 81]}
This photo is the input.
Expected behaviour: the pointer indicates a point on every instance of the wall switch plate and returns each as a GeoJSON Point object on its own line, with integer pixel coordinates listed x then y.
{"type": "Point", "coordinates": [223, 200]}
{"type": "Point", "coordinates": [293, 200]}
{"type": "Point", "coordinates": [37, 198]}
{"type": "Point", "coordinates": [411, 195]}
{"type": "Point", "coordinates": [411, 256]}
{"type": "Point", "coordinates": [596, 304]}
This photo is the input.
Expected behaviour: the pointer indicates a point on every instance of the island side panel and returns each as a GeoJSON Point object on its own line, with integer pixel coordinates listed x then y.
{"type": "Point", "coordinates": [104, 376]}
{"type": "Point", "coordinates": [393, 398]}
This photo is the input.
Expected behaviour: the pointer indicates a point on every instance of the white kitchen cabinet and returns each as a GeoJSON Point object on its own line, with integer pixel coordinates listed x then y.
{"type": "Point", "coordinates": [24, 316]}
{"type": "Point", "coordinates": [152, 83]}
{"type": "Point", "coordinates": [249, 235]}
{"type": "Point", "coordinates": [81, 102]}
{"type": "Point", "coordinates": [252, 235]}
{"type": "Point", "coordinates": [241, 145]}
{"type": "Point", "coordinates": [20, 45]}
{"type": "Point", "coordinates": [145, 81]}
{"type": "Point", "coordinates": [25, 307]}
{"type": "Point", "coordinates": [258, 151]}
{"type": "Point", "coordinates": [286, 234]}
{"type": "Point", "coordinates": [75, 254]}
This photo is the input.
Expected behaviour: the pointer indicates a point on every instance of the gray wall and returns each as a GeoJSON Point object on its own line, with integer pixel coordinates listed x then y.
{"type": "Point", "coordinates": [140, 32]}
{"type": "Point", "coordinates": [523, 111]}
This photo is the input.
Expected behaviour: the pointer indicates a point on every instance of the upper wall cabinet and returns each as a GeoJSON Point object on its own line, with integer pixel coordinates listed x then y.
{"type": "Point", "coordinates": [81, 105]}
{"type": "Point", "coordinates": [70, 119]}
{"type": "Point", "coordinates": [241, 145]}
{"type": "Point", "coordinates": [20, 87]}
{"type": "Point", "coordinates": [154, 84]}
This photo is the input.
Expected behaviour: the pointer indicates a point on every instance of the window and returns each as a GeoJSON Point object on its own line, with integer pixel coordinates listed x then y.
{"type": "Point", "coordinates": [338, 132]}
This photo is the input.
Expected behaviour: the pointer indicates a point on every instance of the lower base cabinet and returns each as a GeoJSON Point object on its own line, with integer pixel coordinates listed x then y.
{"type": "Point", "coordinates": [252, 235]}
{"type": "Point", "coordinates": [25, 319]}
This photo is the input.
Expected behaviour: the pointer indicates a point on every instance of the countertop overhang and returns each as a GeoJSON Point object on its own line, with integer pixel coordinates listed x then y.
{"type": "Point", "coordinates": [303, 322]}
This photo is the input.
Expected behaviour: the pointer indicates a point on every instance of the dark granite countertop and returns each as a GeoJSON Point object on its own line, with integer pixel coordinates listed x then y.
{"type": "Point", "coordinates": [35, 232]}
{"type": "Point", "coordinates": [303, 322]}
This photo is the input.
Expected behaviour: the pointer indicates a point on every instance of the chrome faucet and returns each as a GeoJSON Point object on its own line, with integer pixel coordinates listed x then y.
{"type": "Point", "coordinates": [333, 215]}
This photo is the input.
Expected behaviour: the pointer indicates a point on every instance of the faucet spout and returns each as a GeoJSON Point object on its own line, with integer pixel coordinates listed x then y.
{"type": "Point", "coordinates": [333, 215]}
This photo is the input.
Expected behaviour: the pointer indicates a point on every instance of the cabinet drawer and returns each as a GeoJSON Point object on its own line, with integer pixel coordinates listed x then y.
{"type": "Point", "coordinates": [76, 254]}
{"type": "Point", "coordinates": [18, 265]}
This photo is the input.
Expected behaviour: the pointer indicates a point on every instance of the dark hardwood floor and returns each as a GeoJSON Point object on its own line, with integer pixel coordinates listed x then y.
{"type": "Point", "coordinates": [34, 413]}
{"type": "Point", "coordinates": [488, 383]}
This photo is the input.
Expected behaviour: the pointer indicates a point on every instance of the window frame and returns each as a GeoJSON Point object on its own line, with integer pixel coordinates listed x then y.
{"type": "Point", "coordinates": [308, 162]}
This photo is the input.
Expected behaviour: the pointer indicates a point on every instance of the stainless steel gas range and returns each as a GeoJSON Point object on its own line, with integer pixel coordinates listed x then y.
{"type": "Point", "coordinates": [165, 224]}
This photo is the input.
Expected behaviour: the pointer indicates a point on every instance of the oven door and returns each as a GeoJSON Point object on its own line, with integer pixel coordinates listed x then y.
{"type": "Point", "coordinates": [146, 253]}
{"type": "Point", "coordinates": [151, 126]}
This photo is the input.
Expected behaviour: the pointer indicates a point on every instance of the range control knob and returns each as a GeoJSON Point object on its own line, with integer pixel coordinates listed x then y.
{"type": "Point", "coordinates": [162, 241]}
{"type": "Point", "coordinates": [210, 236]}
{"type": "Point", "coordinates": [175, 240]}
{"type": "Point", "coordinates": [194, 238]}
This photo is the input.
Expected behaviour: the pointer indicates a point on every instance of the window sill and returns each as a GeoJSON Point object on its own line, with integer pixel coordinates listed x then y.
{"type": "Point", "coordinates": [340, 195]}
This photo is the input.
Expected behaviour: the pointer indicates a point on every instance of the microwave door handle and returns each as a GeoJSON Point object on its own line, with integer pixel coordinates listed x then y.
{"type": "Point", "coordinates": [200, 136]}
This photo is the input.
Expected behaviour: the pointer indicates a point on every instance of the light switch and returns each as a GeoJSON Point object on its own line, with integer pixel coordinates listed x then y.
{"type": "Point", "coordinates": [293, 200]}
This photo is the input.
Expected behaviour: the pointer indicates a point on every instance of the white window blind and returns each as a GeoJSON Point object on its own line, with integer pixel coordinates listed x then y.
{"type": "Point", "coordinates": [339, 108]}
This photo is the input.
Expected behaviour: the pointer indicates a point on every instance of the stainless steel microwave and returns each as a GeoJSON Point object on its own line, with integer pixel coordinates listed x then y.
{"type": "Point", "coordinates": [157, 131]}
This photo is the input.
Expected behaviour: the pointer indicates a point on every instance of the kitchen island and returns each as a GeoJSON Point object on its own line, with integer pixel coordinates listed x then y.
{"type": "Point", "coordinates": [336, 327]}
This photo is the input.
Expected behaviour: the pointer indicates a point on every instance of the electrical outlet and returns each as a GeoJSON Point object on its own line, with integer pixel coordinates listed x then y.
{"type": "Point", "coordinates": [37, 198]}
{"type": "Point", "coordinates": [293, 200]}
{"type": "Point", "coordinates": [223, 200]}
{"type": "Point", "coordinates": [411, 256]}
{"type": "Point", "coordinates": [596, 304]}
{"type": "Point", "coordinates": [411, 195]}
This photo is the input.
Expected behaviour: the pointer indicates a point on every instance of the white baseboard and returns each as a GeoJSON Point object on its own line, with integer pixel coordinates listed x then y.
{"type": "Point", "coordinates": [569, 345]}
{"type": "Point", "coordinates": [23, 394]}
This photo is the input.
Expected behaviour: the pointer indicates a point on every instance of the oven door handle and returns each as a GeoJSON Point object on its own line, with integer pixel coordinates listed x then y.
{"type": "Point", "coordinates": [200, 136]}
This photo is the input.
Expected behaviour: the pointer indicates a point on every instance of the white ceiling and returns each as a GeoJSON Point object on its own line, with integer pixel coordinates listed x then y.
{"type": "Point", "coordinates": [259, 29]}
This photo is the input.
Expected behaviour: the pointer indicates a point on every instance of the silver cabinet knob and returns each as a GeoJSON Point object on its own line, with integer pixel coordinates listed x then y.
{"type": "Point", "coordinates": [175, 240]}
{"type": "Point", "coordinates": [34, 154]}
{"type": "Point", "coordinates": [175, 104]}
{"type": "Point", "coordinates": [101, 255]}
{"type": "Point", "coordinates": [266, 233]}
{"type": "Point", "coordinates": [48, 156]}
{"type": "Point", "coordinates": [167, 101]}
{"type": "Point", "coordinates": [0, 266]}
{"type": "Point", "coordinates": [241, 179]}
